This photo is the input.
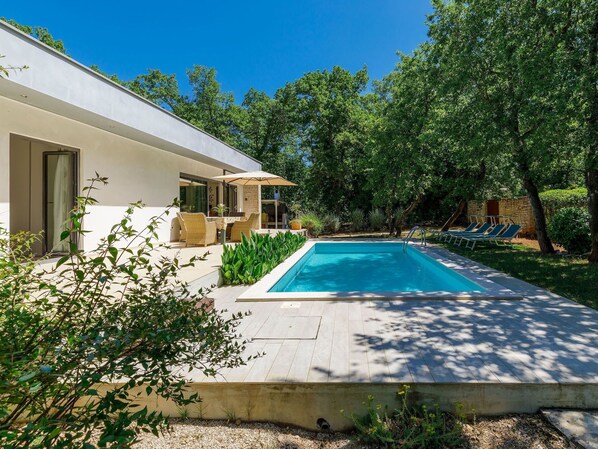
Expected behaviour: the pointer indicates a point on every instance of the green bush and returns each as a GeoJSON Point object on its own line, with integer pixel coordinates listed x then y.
{"type": "Point", "coordinates": [570, 227]}
{"type": "Point", "coordinates": [332, 223]}
{"type": "Point", "coordinates": [313, 223]}
{"type": "Point", "coordinates": [357, 220]}
{"type": "Point", "coordinates": [410, 427]}
{"type": "Point", "coordinates": [377, 219]}
{"type": "Point", "coordinates": [120, 314]}
{"type": "Point", "coordinates": [254, 257]}
{"type": "Point", "coordinates": [553, 200]}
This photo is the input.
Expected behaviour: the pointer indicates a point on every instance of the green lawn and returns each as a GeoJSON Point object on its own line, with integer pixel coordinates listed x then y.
{"type": "Point", "coordinates": [572, 278]}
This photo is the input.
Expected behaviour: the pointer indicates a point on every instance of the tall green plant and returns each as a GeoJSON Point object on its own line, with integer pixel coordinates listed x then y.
{"type": "Point", "coordinates": [83, 341]}
{"type": "Point", "coordinates": [357, 220]}
{"type": "Point", "coordinates": [254, 257]}
{"type": "Point", "coordinates": [410, 427]}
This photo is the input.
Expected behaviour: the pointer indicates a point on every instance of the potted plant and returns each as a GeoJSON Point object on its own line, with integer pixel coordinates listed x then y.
{"type": "Point", "coordinates": [221, 209]}
{"type": "Point", "coordinates": [295, 224]}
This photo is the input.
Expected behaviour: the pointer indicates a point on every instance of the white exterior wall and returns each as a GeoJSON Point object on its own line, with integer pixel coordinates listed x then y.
{"type": "Point", "coordinates": [136, 171]}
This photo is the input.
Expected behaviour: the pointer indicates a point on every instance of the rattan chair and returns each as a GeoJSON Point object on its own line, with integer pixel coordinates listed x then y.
{"type": "Point", "coordinates": [199, 231]}
{"type": "Point", "coordinates": [245, 227]}
{"type": "Point", "coordinates": [183, 234]}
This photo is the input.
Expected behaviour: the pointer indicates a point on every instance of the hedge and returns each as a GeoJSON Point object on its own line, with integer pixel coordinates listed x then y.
{"type": "Point", "coordinates": [553, 200]}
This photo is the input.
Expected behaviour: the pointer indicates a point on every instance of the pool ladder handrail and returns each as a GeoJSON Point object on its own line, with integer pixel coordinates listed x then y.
{"type": "Point", "coordinates": [422, 236]}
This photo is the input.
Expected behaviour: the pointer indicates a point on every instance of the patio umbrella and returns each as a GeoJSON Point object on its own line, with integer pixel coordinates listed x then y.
{"type": "Point", "coordinates": [257, 178]}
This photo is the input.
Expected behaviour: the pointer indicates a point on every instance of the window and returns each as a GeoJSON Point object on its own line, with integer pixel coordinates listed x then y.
{"type": "Point", "coordinates": [193, 194]}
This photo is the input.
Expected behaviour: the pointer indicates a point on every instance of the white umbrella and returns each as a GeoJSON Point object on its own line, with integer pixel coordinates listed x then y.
{"type": "Point", "coordinates": [257, 178]}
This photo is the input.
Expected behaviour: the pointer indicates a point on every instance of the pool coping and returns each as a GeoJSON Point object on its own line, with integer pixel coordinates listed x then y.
{"type": "Point", "coordinates": [260, 290]}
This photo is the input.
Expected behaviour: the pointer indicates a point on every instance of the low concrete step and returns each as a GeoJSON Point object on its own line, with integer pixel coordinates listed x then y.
{"type": "Point", "coordinates": [579, 426]}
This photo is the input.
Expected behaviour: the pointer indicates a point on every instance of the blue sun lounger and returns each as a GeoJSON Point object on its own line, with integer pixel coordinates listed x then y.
{"type": "Point", "coordinates": [479, 231]}
{"type": "Point", "coordinates": [495, 232]}
{"type": "Point", "coordinates": [509, 234]}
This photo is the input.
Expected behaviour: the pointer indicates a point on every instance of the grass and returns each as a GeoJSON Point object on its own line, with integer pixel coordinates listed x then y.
{"type": "Point", "coordinates": [569, 277]}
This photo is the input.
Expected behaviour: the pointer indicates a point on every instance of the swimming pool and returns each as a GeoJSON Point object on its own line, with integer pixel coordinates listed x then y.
{"type": "Point", "coordinates": [370, 267]}
{"type": "Point", "coordinates": [331, 270]}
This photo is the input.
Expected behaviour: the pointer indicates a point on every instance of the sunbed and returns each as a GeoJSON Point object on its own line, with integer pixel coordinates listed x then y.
{"type": "Point", "coordinates": [473, 239]}
{"type": "Point", "coordinates": [479, 231]}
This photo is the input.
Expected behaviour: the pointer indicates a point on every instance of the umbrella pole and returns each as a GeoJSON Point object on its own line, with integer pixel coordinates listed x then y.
{"type": "Point", "coordinates": [276, 214]}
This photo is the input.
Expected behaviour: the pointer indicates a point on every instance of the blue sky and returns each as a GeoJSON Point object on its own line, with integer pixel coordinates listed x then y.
{"type": "Point", "coordinates": [259, 43]}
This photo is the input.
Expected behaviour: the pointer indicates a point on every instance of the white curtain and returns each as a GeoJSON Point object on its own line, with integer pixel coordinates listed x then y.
{"type": "Point", "coordinates": [62, 202]}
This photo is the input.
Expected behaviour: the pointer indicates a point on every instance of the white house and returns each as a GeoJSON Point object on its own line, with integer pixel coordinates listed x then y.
{"type": "Point", "coordinates": [60, 122]}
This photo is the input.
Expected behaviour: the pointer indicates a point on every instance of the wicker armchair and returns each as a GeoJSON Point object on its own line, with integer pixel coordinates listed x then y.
{"type": "Point", "coordinates": [199, 231]}
{"type": "Point", "coordinates": [183, 234]}
{"type": "Point", "coordinates": [245, 227]}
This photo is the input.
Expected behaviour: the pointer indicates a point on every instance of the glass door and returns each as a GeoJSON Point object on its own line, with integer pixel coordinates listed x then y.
{"type": "Point", "coordinates": [60, 190]}
{"type": "Point", "coordinates": [193, 194]}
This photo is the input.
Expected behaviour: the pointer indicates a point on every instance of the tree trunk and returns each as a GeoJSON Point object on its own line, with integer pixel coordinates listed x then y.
{"type": "Point", "coordinates": [406, 213]}
{"type": "Point", "coordinates": [539, 216]}
{"type": "Point", "coordinates": [532, 190]}
{"type": "Point", "coordinates": [456, 214]}
{"type": "Point", "coordinates": [592, 184]}
{"type": "Point", "coordinates": [592, 157]}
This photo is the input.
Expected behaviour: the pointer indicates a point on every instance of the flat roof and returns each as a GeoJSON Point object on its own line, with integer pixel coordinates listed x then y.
{"type": "Point", "coordinates": [57, 83]}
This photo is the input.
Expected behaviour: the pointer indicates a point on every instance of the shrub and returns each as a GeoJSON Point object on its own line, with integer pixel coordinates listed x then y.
{"type": "Point", "coordinates": [117, 314]}
{"type": "Point", "coordinates": [553, 200]}
{"type": "Point", "coordinates": [570, 227]}
{"type": "Point", "coordinates": [313, 223]}
{"type": "Point", "coordinates": [254, 257]}
{"type": "Point", "coordinates": [410, 427]}
{"type": "Point", "coordinates": [357, 220]}
{"type": "Point", "coordinates": [377, 219]}
{"type": "Point", "coordinates": [332, 223]}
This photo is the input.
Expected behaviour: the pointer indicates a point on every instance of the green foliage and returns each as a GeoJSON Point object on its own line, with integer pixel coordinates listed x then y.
{"type": "Point", "coordinates": [331, 223]}
{"type": "Point", "coordinates": [377, 219]}
{"type": "Point", "coordinates": [312, 222]}
{"type": "Point", "coordinates": [357, 219]}
{"type": "Point", "coordinates": [119, 314]}
{"type": "Point", "coordinates": [556, 199]}
{"type": "Point", "coordinates": [410, 427]}
{"type": "Point", "coordinates": [570, 228]}
{"type": "Point", "coordinates": [254, 257]}
{"type": "Point", "coordinates": [40, 33]}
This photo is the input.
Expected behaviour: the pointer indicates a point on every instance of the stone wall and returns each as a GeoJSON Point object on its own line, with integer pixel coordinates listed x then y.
{"type": "Point", "coordinates": [518, 209]}
{"type": "Point", "coordinates": [251, 200]}
{"type": "Point", "coordinates": [476, 208]}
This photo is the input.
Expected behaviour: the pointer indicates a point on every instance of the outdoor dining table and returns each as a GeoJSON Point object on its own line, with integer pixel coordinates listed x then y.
{"type": "Point", "coordinates": [229, 223]}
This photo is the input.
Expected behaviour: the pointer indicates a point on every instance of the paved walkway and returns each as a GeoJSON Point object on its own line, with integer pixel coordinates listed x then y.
{"type": "Point", "coordinates": [543, 338]}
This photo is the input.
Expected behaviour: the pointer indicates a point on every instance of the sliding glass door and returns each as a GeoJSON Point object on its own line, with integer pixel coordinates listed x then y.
{"type": "Point", "coordinates": [60, 189]}
{"type": "Point", "coordinates": [193, 194]}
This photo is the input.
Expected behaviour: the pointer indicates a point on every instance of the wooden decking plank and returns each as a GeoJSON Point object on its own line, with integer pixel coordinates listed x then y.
{"type": "Point", "coordinates": [299, 368]}
{"type": "Point", "coordinates": [261, 367]}
{"type": "Point", "coordinates": [359, 370]}
{"type": "Point", "coordinates": [339, 358]}
{"type": "Point", "coordinates": [282, 363]}
{"type": "Point", "coordinates": [320, 363]}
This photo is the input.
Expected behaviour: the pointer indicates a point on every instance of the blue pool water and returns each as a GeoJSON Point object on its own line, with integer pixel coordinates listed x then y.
{"type": "Point", "coordinates": [370, 267]}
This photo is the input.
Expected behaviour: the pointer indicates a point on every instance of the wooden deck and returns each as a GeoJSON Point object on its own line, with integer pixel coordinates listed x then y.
{"type": "Point", "coordinates": [541, 339]}
{"type": "Point", "coordinates": [321, 357]}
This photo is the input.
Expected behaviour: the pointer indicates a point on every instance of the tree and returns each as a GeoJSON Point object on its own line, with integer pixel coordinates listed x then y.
{"type": "Point", "coordinates": [211, 109]}
{"type": "Point", "coordinates": [82, 342]}
{"type": "Point", "coordinates": [499, 52]}
{"type": "Point", "coordinates": [332, 127]}
{"type": "Point", "coordinates": [401, 159]}
{"type": "Point", "coordinates": [40, 33]}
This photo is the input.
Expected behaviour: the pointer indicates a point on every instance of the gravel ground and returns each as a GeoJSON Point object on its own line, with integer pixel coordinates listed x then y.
{"type": "Point", "coordinates": [507, 432]}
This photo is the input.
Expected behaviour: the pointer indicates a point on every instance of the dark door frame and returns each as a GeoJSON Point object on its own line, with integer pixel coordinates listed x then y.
{"type": "Point", "coordinates": [75, 187]}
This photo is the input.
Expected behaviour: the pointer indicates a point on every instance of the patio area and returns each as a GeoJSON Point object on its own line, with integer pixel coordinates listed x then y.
{"type": "Point", "coordinates": [492, 356]}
